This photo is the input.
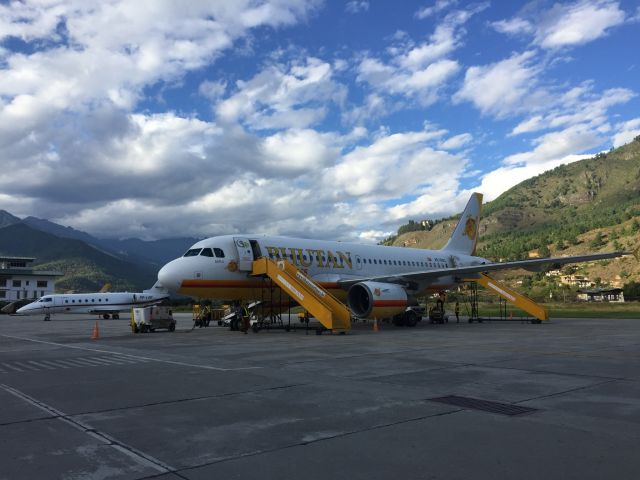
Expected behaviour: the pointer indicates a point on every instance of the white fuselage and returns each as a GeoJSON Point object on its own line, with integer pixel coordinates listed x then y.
{"type": "Point", "coordinates": [220, 267]}
{"type": "Point", "coordinates": [100, 303]}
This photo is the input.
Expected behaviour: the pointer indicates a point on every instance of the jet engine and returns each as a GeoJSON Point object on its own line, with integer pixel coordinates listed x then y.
{"type": "Point", "coordinates": [376, 299]}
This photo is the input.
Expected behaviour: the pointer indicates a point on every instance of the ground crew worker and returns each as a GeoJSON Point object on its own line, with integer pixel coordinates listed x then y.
{"type": "Point", "coordinates": [245, 319]}
{"type": "Point", "coordinates": [457, 310]}
{"type": "Point", "coordinates": [237, 316]}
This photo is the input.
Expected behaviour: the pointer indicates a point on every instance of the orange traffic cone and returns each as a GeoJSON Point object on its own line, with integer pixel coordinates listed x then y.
{"type": "Point", "coordinates": [375, 325]}
{"type": "Point", "coordinates": [96, 332]}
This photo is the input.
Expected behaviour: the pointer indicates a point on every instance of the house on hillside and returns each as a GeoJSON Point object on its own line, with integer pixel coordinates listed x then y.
{"type": "Point", "coordinates": [576, 281]}
{"type": "Point", "coordinates": [601, 295]}
{"type": "Point", "coordinates": [19, 280]}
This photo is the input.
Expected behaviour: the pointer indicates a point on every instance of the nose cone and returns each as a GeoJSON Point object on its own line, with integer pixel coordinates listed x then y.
{"type": "Point", "coordinates": [170, 276]}
{"type": "Point", "coordinates": [26, 309]}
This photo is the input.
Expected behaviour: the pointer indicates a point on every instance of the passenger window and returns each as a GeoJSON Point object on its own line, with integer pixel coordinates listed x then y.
{"type": "Point", "coordinates": [206, 252]}
{"type": "Point", "coordinates": [375, 261]}
{"type": "Point", "coordinates": [192, 252]}
{"type": "Point", "coordinates": [219, 253]}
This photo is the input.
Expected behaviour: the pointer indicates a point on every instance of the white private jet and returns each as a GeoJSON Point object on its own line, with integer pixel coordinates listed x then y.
{"type": "Point", "coordinates": [101, 303]}
{"type": "Point", "coordinates": [374, 281]}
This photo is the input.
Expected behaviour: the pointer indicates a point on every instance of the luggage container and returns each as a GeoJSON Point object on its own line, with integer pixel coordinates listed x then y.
{"type": "Point", "coordinates": [148, 319]}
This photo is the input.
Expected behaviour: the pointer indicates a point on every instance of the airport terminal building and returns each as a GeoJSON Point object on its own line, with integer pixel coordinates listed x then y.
{"type": "Point", "coordinates": [19, 280]}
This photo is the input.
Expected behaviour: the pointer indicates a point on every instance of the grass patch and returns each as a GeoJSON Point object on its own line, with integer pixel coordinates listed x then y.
{"type": "Point", "coordinates": [568, 310]}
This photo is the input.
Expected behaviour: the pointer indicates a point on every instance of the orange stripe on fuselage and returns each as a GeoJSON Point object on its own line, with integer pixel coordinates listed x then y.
{"type": "Point", "coordinates": [389, 303]}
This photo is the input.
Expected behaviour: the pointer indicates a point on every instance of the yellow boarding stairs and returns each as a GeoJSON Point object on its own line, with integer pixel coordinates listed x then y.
{"type": "Point", "coordinates": [330, 312]}
{"type": "Point", "coordinates": [521, 301]}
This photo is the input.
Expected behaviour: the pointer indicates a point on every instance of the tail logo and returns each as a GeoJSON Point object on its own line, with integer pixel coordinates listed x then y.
{"type": "Point", "coordinates": [470, 227]}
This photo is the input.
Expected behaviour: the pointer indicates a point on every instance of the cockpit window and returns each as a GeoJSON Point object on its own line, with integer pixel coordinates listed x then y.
{"type": "Point", "coordinates": [46, 299]}
{"type": "Point", "coordinates": [206, 252]}
{"type": "Point", "coordinates": [219, 253]}
{"type": "Point", "coordinates": [192, 252]}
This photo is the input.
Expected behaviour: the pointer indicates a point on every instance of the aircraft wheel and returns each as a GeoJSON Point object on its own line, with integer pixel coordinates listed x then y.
{"type": "Point", "coordinates": [106, 316]}
{"type": "Point", "coordinates": [116, 316]}
{"type": "Point", "coordinates": [47, 318]}
{"type": "Point", "coordinates": [255, 327]}
{"type": "Point", "coordinates": [410, 318]}
{"type": "Point", "coordinates": [172, 327]}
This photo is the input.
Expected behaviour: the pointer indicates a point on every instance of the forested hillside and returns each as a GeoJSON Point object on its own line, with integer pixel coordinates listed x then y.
{"type": "Point", "coordinates": [587, 206]}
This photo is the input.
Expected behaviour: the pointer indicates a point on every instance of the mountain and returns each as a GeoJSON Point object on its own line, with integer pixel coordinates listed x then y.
{"type": "Point", "coordinates": [85, 267]}
{"type": "Point", "coordinates": [156, 252]}
{"type": "Point", "coordinates": [7, 219]}
{"type": "Point", "coordinates": [587, 206]}
{"type": "Point", "coordinates": [60, 231]}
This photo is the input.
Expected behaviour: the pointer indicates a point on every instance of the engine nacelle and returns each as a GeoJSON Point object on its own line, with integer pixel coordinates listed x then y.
{"type": "Point", "coordinates": [376, 299]}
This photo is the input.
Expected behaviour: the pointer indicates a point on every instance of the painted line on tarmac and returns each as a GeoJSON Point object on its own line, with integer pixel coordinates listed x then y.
{"type": "Point", "coordinates": [137, 357]}
{"type": "Point", "coordinates": [133, 453]}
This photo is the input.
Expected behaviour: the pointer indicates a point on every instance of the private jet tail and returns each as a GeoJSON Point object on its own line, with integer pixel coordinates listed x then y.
{"type": "Point", "coordinates": [157, 289]}
{"type": "Point", "coordinates": [465, 236]}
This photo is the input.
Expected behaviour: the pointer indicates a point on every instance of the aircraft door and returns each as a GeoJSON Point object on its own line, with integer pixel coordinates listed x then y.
{"type": "Point", "coordinates": [245, 254]}
{"type": "Point", "coordinates": [358, 262]}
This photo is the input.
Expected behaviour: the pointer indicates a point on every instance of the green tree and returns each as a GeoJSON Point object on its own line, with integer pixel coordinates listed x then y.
{"type": "Point", "coordinates": [544, 251]}
{"type": "Point", "coordinates": [597, 241]}
{"type": "Point", "coordinates": [631, 291]}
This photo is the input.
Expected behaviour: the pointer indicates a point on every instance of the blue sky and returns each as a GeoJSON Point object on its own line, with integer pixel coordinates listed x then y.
{"type": "Point", "coordinates": [335, 119]}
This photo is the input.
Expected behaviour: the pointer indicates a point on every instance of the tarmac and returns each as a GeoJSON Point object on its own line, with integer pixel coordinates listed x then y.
{"type": "Point", "coordinates": [211, 403]}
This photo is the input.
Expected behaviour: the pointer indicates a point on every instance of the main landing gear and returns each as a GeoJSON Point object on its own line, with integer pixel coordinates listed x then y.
{"type": "Point", "coordinates": [406, 319]}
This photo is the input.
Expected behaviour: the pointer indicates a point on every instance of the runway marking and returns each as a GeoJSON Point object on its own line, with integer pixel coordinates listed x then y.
{"type": "Point", "coordinates": [76, 362]}
{"type": "Point", "coordinates": [41, 365]}
{"type": "Point", "coordinates": [137, 357]}
{"type": "Point", "coordinates": [133, 453]}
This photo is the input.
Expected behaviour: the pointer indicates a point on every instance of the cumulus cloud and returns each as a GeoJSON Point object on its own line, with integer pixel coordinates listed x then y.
{"type": "Point", "coordinates": [437, 7]}
{"type": "Point", "coordinates": [500, 88]}
{"type": "Point", "coordinates": [261, 147]}
{"type": "Point", "coordinates": [356, 6]}
{"type": "Point", "coordinates": [577, 23]}
{"type": "Point", "coordinates": [580, 104]}
{"type": "Point", "coordinates": [456, 142]}
{"type": "Point", "coordinates": [626, 132]}
{"type": "Point", "coordinates": [282, 96]}
{"type": "Point", "coordinates": [565, 24]}
{"type": "Point", "coordinates": [419, 71]}
{"type": "Point", "coordinates": [392, 163]}
{"type": "Point", "coordinates": [558, 144]}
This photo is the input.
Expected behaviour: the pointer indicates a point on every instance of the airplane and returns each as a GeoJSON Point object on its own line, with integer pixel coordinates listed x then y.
{"type": "Point", "coordinates": [101, 303]}
{"type": "Point", "coordinates": [374, 281]}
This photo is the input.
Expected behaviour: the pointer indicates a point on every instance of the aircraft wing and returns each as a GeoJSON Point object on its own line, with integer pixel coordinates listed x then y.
{"type": "Point", "coordinates": [468, 271]}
